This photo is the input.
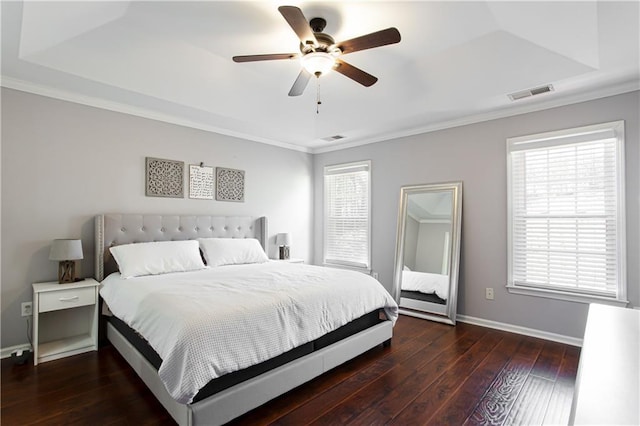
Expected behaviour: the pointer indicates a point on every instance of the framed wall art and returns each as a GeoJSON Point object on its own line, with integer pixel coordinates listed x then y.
{"type": "Point", "coordinates": [200, 182]}
{"type": "Point", "coordinates": [229, 184]}
{"type": "Point", "coordinates": [164, 178]}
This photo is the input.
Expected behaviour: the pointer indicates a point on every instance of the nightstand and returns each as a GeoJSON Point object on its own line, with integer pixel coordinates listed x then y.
{"type": "Point", "coordinates": [65, 319]}
{"type": "Point", "coordinates": [292, 260]}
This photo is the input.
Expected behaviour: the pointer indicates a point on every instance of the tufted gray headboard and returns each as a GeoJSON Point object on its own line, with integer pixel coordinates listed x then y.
{"type": "Point", "coordinates": [115, 229]}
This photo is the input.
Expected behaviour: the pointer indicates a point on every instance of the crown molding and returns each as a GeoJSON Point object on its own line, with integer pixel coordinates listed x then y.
{"type": "Point", "coordinates": [618, 89]}
{"type": "Point", "coordinates": [64, 95]}
{"type": "Point", "coordinates": [51, 92]}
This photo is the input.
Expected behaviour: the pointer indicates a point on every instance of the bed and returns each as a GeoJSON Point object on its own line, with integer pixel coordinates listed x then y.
{"type": "Point", "coordinates": [249, 379]}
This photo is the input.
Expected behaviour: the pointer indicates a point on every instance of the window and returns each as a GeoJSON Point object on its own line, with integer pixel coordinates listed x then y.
{"type": "Point", "coordinates": [347, 214]}
{"type": "Point", "coordinates": [566, 214]}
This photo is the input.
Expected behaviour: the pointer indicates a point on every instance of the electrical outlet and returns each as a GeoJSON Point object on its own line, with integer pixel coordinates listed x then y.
{"type": "Point", "coordinates": [489, 293]}
{"type": "Point", "coordinates": [374, 275]}
{"type": "Point", "coordinates": [26, 309]}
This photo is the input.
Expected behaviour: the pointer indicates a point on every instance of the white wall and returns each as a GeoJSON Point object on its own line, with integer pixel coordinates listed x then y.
{"type": "Point", "coordinates": [63, 163]}
{"type": "Point", "coordinates": [476, 155]}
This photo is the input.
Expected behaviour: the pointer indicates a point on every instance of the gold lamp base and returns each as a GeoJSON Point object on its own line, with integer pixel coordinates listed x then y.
{"type": "Point", "coordinates": [66, 272]}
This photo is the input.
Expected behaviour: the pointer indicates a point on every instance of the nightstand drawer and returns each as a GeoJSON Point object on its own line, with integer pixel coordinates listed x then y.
{"type": "Point", "coordinates": [64, 299]}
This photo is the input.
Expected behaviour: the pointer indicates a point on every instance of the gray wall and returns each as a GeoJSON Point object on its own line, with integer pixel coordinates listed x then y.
{"type": "Point", "coordinates": [476, 155]}
{"type": "Point", "coordinates": [63, 163]}
{"type": "Point", "coordinates": [430, 248]}
{"type": "Point", "coordinates": [410, 242]}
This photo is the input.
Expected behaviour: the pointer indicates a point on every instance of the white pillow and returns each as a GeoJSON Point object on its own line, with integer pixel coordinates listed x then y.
{"type": "Point", "coordinates": [157, 258]}
{"type": "Point", "coordinates": [232, 251]}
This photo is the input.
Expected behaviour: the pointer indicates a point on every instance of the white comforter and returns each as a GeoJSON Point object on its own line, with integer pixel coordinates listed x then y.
{"type": "Point", "coordinates": [425, 282]}
{"type": "Point", "coordinates": [207, 323]}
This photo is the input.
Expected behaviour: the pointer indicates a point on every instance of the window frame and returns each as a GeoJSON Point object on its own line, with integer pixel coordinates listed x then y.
{"type": "Point", "coordinates": [558, 138]}
{"type": "Point", "coordinates": [333, 263]}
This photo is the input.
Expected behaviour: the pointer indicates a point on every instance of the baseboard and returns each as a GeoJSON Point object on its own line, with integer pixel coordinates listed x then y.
{"type": "Point", "coordinates": [6, 352]}
{"type": "Point", "coordinates": [573, 341]}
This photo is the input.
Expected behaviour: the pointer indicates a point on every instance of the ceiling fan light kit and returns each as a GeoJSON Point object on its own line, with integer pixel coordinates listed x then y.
{"type": "Point", "coordinates": [319, 53]}
{"type": "Point", "coordinates": [318, 63]}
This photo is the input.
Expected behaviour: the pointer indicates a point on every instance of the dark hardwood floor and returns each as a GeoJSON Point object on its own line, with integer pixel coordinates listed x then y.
{"type": "Point", "coordinates": [431, 374]}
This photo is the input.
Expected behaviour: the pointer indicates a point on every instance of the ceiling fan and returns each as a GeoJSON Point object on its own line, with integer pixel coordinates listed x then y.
{"type": "Point", "coordinates": [319, 53]}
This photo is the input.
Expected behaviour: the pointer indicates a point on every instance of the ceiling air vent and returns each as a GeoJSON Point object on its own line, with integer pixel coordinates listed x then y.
{"type": "Point", "coordinates": [530, 92]}
{"type": "Point", "coordinates": [333, 138]}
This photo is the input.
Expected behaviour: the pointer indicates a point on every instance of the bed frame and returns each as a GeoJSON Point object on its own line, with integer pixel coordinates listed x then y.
{"type": "Point", "coordinates": [115, 229]}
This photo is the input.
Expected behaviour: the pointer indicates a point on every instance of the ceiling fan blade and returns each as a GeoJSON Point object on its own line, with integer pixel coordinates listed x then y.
{"type": "Point", "coordinates": [295, 18]}
{"type": "Point", "coordinates": [379, 38]}
{"type": "Point", "coordinates": [301, 83]}
{"type": "Point", "coordinates": [354, 73]}
{"type": "Point", "coordinates": [268, 57]}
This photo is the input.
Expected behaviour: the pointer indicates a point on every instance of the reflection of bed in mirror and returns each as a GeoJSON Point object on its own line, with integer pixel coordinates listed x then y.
{"type": "Point", "coordinates": [425, 286]}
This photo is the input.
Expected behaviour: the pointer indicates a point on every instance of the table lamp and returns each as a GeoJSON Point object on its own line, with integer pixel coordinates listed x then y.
{"type": "Point", "coordinates": [66, 252]}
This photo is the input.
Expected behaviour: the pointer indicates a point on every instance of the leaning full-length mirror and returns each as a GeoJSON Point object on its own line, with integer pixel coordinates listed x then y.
{"type": "Point", "coordinates": [428, 250]}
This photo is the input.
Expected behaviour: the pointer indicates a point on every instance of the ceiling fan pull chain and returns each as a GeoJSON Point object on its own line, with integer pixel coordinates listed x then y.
{"type": "Point", "coordinates": [318, 102]}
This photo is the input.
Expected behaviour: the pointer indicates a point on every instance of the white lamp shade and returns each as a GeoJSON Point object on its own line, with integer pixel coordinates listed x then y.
{"type": "Point", "coordinates": [66, 250]}
{"type": "Point", "coordinates": [283, 239]}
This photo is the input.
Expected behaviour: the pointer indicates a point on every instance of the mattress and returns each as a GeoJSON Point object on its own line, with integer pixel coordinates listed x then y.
{"type": "Point", "coordinates": [231, 379]}
{"type": "Point", "coordinates": [207, 324]}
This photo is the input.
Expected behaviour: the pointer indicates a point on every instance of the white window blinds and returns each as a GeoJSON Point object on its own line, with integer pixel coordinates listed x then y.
{"type": "Point", "coordinates": [347, 215]}
{"type": "Point", "coordinates": [566, 218]}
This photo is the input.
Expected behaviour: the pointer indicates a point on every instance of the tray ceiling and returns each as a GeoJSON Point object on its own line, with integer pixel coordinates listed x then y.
{"type": "Point", "coordinates": [457, 63]}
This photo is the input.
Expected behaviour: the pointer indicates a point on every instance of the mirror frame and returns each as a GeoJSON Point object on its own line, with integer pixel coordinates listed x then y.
{"type": "Point", "coordinates": [454, 249]}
